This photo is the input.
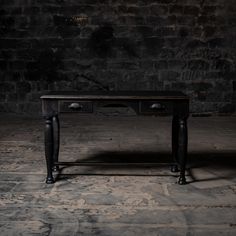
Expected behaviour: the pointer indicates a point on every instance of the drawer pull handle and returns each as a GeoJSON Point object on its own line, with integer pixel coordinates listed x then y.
{"type": "Point", "coordinates": [75, 106]}
{"type": "Point", "coordinates": [157, 106]}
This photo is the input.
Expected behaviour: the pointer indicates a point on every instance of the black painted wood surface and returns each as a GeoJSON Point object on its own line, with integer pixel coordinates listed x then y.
{"type": "Point", "coordinates": [143, 102]}
{"type": "Point", "coordinates": [110, 95]}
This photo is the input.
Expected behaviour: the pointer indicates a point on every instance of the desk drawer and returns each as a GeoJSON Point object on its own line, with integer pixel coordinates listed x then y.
{"type": "Point", "coordinates": [76, 106]}
{"type": "Point", "coordinates": [155, 107]}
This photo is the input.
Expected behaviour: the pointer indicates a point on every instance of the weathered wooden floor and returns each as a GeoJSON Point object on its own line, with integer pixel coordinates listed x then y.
{"type": "Point", "coordinates": [117, 200]}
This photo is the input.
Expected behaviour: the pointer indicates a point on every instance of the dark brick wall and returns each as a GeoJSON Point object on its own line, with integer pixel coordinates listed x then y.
{"type": "Point", "coordinates": [186, 45]}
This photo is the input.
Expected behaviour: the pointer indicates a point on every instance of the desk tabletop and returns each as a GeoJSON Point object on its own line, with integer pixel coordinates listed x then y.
{"type": "Point", "coordinates": [115, 95]}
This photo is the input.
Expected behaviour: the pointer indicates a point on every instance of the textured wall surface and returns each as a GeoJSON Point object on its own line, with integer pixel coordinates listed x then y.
{"type": "Point", "coordinates": [186, 45]}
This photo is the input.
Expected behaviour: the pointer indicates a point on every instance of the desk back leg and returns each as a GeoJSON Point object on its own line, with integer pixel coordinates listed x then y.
{"type": "Point", "coordinates": [182, 148]}
{"type": "Point", "coordinates": [174, 167]}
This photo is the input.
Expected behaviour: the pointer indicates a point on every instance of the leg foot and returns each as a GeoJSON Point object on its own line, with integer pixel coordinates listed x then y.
{"type": "Point", "coordinates": [182, 180]}
{"type": "Point", "coordinates": [50, 180]}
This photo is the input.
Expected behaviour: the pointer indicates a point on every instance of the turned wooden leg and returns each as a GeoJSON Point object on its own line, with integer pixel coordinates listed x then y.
{"type": "Point", "coordinates": [182, 149]}
{"type": "Point", "coordinates": [56, 141]}
{"type": "Point", "coordinates": [174, 168]}
{"type": "Point", "coordinates": [49, 149]}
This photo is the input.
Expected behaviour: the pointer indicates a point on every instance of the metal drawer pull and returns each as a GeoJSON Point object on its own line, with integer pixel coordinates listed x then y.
{"type": "Point", "coordinates": [157, 106]}
{"type": "Point", "coordinates": [75, 106]}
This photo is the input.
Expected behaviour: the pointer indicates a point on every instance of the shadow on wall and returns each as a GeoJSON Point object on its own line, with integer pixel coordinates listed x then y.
{"type": "Point", "coordinates": [46, 65]}
{"type": "Point", "coordinates": [103, 43]}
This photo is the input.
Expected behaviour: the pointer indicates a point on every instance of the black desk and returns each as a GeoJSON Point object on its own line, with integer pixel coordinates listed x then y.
{"type": "Point", "coordinates": [143, 103]}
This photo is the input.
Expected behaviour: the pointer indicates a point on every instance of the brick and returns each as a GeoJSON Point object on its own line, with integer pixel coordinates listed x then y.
{"type": "Point", "coordinates": [191, 10]}
{"type": "Point", "coordinates": [201, 95]}
{"type": "Point", "coordinates": [7, 3]}
{"type": "Point", "coordinates": [3, 12]}
{"type": "Point", "coordinates": [34, 107]}
{"type": "Point", "coordinates": [210, 31]}
{"type": "Point", "coordinates": [7, 21]}
{"type": "Point", "coordinates": [153, 44]}
{"type": "Point", "coordinates": [165, 31]}
{"type": "Point", "coordinates": [234, 85]}
{"type": "Point", "coordinates": [176, 9]}
{"type": "Point", "coordinates": [206, 19]}
{"type": "Point", "coordinates": [185, 20]}
{"type": "Point", "coordinates": [17, 65]}
{"type": "Point", "coordinates": [44, 43]}
{"type": "Point", "coordinates": [198, 65]}
{"type": "Point", "coordinates": [161, 65]}
{"type": "Point", "coordinates": [6, 87]}
{"type": "Point", "coordinates": [51, 9]}
{"type": "Point", "coordinates": [127, 65]}
{"type": "Point", "coordinates": [32, 75]}
{"type": "Point", "coordinates": [158, 10]}
{"type": "Point", "coordinates": [177, 64]}
{"type": "Point", "coordinates": [16, 76]}
{"type": "Point", "coordinates": [14, 43]}
{"type": "Point", "coordinates": [224, 65]}
{"type": "Point", "coordinates": [174, 42]}
{"type": "Point", "coordinates": [155, 20]}
{"type": "Point", "coordinates": [63, 21]}
{"type": "Point", "coordinates": [145, 31]}
{"type": "Point", "coordinates": [131, 20]}
{"type": "Point", "coordinates": [131, 10]}
{"type": "Point", "coordinates": [31, 10]}
{"type": "Point", "coordinates": [201, 86]}
{"type": "Point", "coordinates": [216, 42]}
{"type": "Point", "coordinates": [222, 85]}
{"type": "Point", "coordinates": [209, 10]}
{"type": "Point", "coordinates": [228, 108]}
{"type": "Point", "coordinates": [164, 1]}
{"type": "Point", "coordinates": [184, 32]}
{"type": "Point", "coordinates": [196, 43]}
{"type": "Point", "coordinates": [169, 75]}
{"type": "Point", "coordinates": [13, 11]}
{"type": "Point", "coordinates": [2, 97]}
{"type": "Point", "coordinates": [3, 65]}
{"type": "Point", "coordinates": [23, 87]}
{"type": "Point", "coordinates": [68, 32]}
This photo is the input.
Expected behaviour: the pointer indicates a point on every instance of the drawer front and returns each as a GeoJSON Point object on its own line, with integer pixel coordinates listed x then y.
{"type": "Point", "coordinates": [155, 107]}
{"type": "Point", "coordinates": [76, 106]}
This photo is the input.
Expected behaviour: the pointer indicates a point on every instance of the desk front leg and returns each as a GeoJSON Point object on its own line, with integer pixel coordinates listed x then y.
{"type": "Point", "coordinates": [182, 148]}
{"type": "Point", "coordinates": [49, 149]}
{"type": "Point", "coordinates": [56, 141]}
